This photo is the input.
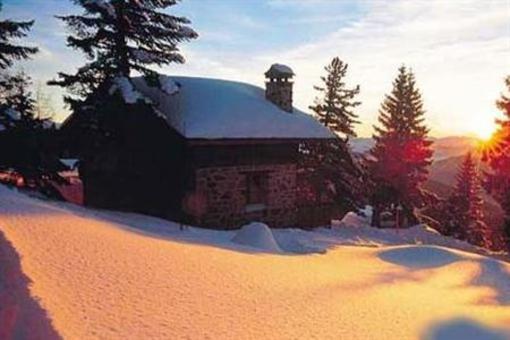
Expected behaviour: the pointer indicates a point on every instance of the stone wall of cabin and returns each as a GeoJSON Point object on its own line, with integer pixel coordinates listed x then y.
{"type": "Point", "coordinates": [225, 191]}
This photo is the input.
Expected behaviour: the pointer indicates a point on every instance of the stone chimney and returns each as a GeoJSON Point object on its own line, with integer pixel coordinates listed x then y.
{"type": "Point", "coordinates": [279, 86]}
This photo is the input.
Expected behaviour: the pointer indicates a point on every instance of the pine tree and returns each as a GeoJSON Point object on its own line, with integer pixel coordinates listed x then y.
{"type": "Point", "coordinates": [330, 171]}
{"type": "Point", "coordinates": [27, 142]}
{"type": "Point", "coordinates": [119, 37]}
{"type": "Point", "coordinates": [328, 168]}
{"type": "Point", "coordinates": [110, 118]}
{"type": "Point", "coordinates": [498, 157]}
{"type": "Point", "coordinates": [18, 98]}
{"type": "Point", "coordinates": [8, 116]}
{"type": "Point", "coordinates": [335, 108]}
{"type": "Point", "coordinates": [402, 151]}
{"type": "Point", "coordinates": [9, 52]}
{"type": "Point", "coordinates": [465, 206]}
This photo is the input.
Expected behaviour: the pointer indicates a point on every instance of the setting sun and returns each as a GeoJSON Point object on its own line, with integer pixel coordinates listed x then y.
{"type": "Point", "coordinates": [483, 128]}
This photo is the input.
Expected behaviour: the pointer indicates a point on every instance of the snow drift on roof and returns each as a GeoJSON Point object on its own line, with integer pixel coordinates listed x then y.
{"type": "Point", "coordinates": [126, 89]}
{"type": "Point", "coordinates": [279, 70]}
{"type": "Point", "coordinates": [71, 163]}
{"type": "Point", "coordinates": [222, 109]}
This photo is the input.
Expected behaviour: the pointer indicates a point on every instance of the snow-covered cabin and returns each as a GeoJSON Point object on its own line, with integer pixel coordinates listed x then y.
{"type": "Point", "coordinates": [239, 148]}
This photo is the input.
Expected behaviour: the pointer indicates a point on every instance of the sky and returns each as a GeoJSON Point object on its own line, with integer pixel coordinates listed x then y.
{"type": "Point", "coordinates": [459, 50]}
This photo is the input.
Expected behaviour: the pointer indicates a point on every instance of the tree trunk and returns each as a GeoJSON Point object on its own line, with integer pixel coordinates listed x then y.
{"type": "Point", "coordinates": [376, 216]}
{"type": "Point", "coordinates": [121, 43]}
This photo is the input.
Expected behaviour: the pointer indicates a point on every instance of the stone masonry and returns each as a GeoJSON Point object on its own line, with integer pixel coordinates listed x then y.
{"type": "Point", "coordinates": [225, 192]}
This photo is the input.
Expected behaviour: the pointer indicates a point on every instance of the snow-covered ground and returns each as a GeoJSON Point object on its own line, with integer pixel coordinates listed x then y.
{"type": "Point", "coordinates": [67, 271]}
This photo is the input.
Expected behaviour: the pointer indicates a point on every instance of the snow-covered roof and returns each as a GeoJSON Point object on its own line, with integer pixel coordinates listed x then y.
{"type": "Point", "coordinates": [205, 108]}
{"type": "Point", "coordinates": [71, 163]}
{"type": "Point", "coordinates": [279, 71]}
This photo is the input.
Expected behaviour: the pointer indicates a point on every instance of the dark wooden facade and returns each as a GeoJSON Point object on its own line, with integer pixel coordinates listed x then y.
{"type": "Point", "coordinates": [150, 168]}
{"type": "Point", "coordinates": [220, 184]}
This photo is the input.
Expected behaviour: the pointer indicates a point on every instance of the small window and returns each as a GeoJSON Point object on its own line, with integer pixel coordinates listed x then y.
{"type": "Point", "coordinates": [257, 188]}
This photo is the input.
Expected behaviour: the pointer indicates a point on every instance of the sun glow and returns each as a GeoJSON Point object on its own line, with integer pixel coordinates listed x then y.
{"type": "Point", "coordinates": [492, 145]}
{"type": "Point", "coordinates": [484, 129]}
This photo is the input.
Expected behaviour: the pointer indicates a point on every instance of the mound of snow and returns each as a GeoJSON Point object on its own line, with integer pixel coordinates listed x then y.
{"type": "Point", "coordinates": [419, 256]}
{"type": "Point", "coordinates": [352, 219]}
{"type": "Point", "coordinates": [367, 211]}
{"type": "Point", "coordinates": [257, 235]}
{"type": "Point", "coordinates": [168, 85]}
{"type": "Point", "coordinates": [422, 230]}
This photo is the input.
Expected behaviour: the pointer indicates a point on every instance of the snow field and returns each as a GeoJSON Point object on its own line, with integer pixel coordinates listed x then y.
{"type": "Point", "coordinates": [98, 274]}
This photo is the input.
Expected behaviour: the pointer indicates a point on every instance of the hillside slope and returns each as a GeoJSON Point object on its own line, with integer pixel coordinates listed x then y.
{"type": "Point", "coordinates": [107, 275]}
{"type": "Point", "coordinates": [442, 179]}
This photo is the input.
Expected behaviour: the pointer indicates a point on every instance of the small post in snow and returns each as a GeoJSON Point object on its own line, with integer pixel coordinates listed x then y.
{"type": "Point", "coordinates": [399, 209]}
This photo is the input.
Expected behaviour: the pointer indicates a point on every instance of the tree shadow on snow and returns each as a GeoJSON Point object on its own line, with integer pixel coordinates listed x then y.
{"type": "Point", "coordinates": [419, 257]}
{"type": "Point", "coordinates": [465, 329]}
{"type": "Point", "coordinates": [493, 274]}
{"type": "Point", "coordinates": [21, 316]}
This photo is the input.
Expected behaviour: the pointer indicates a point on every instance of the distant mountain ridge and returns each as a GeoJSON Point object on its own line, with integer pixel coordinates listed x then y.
{"type": "Point", "coordinates": [454, 146]}
{"type": "Point", "coordinates": [444, 148]}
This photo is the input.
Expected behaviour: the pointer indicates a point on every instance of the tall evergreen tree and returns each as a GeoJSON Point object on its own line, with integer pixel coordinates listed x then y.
{"type": "Point", "coordinates": [27, 143]}
{"type": "Point", "coordinates": [330, 174]}
{"type": "Point", "coordinates": [9, 51]}
{"type": "Point", "coordinates": [121, 36]}
{"type": "Point", "coordinates": [17, 97]}
{"type": "Point", "coordinates": [498, 157]}
{"type": "Point", "coordinates": [335, 106]}
{"type": "Point", "coordinates": [111, 120]}
{"type": "Point", "coordinates": [402, 151]}
{"type": "Point", "coordinates": [8, 116]}
{"type": "Point", "coordinates": [329, 171]}
{"type": "Point", "coordinates": [464, 209]}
